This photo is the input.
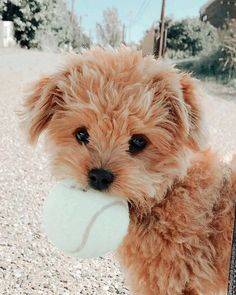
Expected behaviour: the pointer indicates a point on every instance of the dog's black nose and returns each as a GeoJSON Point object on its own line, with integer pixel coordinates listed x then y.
{"type": "Point", "coordinates": [100, 179]}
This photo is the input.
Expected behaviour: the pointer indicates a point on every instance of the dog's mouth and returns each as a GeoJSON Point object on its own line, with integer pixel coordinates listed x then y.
{"type": "Point", "coordinates": [76, 185]}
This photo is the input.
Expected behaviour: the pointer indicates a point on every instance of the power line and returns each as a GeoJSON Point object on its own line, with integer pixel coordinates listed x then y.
{"type": "Point", "coordinates": [144, 9]}
{"type": "Point", "coordinates": [138, 14]}
{"type": "Point", "coordinates": [141, 11]}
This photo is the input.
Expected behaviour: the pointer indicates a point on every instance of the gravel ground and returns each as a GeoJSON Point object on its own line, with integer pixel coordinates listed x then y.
{"type": "Point", "coordinates": [28, 263]}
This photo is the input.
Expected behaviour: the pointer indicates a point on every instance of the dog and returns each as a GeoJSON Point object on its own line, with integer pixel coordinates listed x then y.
{"type": "Point", "coordinates": [133, 126]}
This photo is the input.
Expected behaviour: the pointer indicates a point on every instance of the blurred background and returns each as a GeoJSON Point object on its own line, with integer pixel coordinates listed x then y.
{"type": "Point", "coordinates": [199, 36]}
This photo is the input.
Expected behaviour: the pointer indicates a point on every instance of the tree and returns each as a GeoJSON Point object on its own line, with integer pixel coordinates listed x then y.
{"type": "Point", "coordinates": [109, 32]}
{"type": "Point", "coordinates": [61, 29]}
{"type": "Point", "coordinates": [219, 63]}
{"type": "Point", "coordinates": [190, 36]}
{"type": "Point", "coordinates": [44, 24]}
{"type": "Point", "coordinates": [27, 18]}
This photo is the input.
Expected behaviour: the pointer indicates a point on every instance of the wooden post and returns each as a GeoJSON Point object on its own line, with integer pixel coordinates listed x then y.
{"type": "Point", "coordinates": [162, 28]}
{"type": "Point", "coordinates": [123, 34]}
{"type": "Point", "coordinates": [72, 9]}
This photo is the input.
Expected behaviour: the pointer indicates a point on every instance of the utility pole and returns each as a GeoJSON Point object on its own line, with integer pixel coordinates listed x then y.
{"type": "Point", "coordinates": [72, 8]}
{"type": "Point", "coordinates": [162, 27]}
{"type": "Point", "coordinates": [80, 30]}
{"type": "Point", "coordinates": [123, 34]}
{"type": "Point", "coordinates": [71, 19]}
{"type": "Point", "coordinates": [160, 34]}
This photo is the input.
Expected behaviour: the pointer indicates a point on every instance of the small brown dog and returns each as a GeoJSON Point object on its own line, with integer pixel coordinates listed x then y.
{"type": "Point", "coordinates": [118, 122]}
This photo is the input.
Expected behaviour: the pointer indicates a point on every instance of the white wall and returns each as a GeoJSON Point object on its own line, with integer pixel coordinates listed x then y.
{"type": "Point", "coordinates": [7, 34]}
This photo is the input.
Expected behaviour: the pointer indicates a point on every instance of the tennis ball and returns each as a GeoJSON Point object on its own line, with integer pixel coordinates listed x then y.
{"type": "Point", "coordinates": [84, 224]}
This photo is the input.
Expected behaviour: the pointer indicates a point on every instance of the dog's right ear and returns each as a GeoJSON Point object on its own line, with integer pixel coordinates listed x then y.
{"type": "Point", "coordinates": [39, 107]}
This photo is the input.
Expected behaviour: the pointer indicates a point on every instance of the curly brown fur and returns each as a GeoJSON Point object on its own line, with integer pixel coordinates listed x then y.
{"type": "Point", "coordinates": [181, 195]}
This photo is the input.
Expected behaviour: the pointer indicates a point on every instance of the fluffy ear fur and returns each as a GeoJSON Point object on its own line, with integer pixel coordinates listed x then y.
{"type": "Point", "coordinates": [191, 97]}
{"type": "Point", "coordinates": [179, 95]}
{"type": "Point", "coordinates": [39, 107]}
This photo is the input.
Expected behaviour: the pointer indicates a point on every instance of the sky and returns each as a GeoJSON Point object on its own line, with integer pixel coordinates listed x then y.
{"type": "Point", "coordinates": [137, 15]}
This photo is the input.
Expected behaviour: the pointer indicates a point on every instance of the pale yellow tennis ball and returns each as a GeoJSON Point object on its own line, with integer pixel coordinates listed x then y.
{"type": "Point", "coordinates": [84, 224]}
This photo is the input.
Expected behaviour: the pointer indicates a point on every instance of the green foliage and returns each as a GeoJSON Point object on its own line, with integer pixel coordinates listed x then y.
{"type": "Point", "coordinates": [45, 24]}
{"type": "Point", "coordinates": [220, 63]}
{"type": "Point", "coordinates": [61, 29]}
{"type": "Point", "coordinates": [189, 37]}
{"type": "Point", "coordinates": [27, 18]}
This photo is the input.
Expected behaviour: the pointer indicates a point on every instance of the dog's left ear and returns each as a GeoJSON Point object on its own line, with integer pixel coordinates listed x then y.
{"type": "Point", "coordinates": [191, 95]}
{"type": "Point", "coordinates": [39, 107]}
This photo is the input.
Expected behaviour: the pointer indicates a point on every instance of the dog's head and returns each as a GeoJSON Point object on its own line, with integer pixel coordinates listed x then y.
{"type": "Point", "coordinates": [117, 121]}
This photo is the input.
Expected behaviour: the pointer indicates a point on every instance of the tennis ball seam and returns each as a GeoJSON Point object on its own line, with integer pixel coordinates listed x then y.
{"type": "Point", "coordinates": [91, 223]}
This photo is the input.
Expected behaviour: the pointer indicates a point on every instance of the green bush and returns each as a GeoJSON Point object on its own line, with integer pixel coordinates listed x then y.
{"type": "Point", "coordinates": [44, 24]}
{"type": "Point", "coordinates": [220, 63]}
{"type": "Point", "coordinates": [189, 37]}
{"type": "Point", "coordinates": [27, 18]}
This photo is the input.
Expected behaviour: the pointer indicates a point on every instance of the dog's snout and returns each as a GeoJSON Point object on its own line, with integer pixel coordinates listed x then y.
{"type": "Point", "coordinates": [100, 179]}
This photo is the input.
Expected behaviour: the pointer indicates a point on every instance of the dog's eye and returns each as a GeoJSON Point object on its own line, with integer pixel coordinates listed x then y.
{"type": "Point", "coordinates": [82, 135]}
{"type": "Point", "coordinates": [137, 143]}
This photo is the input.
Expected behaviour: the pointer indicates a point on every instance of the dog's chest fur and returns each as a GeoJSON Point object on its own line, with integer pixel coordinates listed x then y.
{"type": "Point", "coordinates": [183, 242]}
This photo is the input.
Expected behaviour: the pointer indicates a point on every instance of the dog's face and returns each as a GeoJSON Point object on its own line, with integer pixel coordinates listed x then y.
{"type": "Point", "coordinates": [116, 121]}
